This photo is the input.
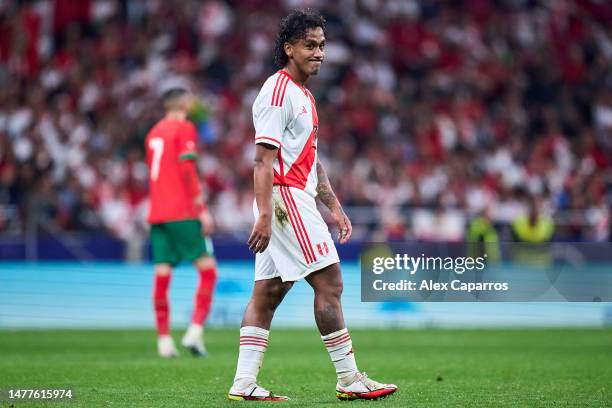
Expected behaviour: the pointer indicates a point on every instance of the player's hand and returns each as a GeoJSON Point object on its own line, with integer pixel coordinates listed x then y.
{"type": "Point", "coordinates": [260, 237]}
{"type": "Point", "coordinates": [208, 225]}
{"type": "Point", "coordinates": [345, 229]}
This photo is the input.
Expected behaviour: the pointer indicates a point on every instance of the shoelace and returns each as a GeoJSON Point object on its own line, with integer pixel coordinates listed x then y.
{"type": "Point", "coordinates": [263, 391]}
{"type": "Point", "coordinates": [369, 384]}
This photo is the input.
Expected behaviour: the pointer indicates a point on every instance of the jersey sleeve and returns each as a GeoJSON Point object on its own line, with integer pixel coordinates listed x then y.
{"type": "Point", "coordinates": [271, 115]}
{"type": "Point", "coordinates": [187, 142]}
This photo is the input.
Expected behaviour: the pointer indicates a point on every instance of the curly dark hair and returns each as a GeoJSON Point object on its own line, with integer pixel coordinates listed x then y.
{"type": "Point", "coordinates": [292, 28]}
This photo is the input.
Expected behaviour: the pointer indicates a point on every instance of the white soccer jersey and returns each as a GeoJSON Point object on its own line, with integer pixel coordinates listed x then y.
{"type": "Point", "coordinates": [285, 116]}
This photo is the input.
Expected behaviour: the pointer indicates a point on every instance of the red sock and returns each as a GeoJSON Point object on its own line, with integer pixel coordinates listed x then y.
{"type": "Point", "coordinates": [160, 303]}
{"type": "Point", "coordinates": [203, 297]}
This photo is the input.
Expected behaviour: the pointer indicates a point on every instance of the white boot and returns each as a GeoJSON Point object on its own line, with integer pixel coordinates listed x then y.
{"type": "Point", "coordinates": [194, 340]}
{"type": "Point", "coordinates": [252, 392]}
{"type": "Point", "coordinates": [362, 387]}
{"type": "Point", "coordinates": [166, 347]}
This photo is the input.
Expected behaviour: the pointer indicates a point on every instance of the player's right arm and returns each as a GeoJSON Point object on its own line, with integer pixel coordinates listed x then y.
{"type": "Point", "coordinates": [263, 175]}
{"type": "Point", "coordinates": [271, 114]}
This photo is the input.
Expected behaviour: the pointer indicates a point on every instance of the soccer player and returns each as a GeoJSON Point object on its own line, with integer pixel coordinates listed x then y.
{"type": "Point", "coordinates": [290, 239]}
{"type": "Point", "coordinates": [179, 219]}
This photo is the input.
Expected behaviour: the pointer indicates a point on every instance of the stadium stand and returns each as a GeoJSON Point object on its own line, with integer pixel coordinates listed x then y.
{"type": "Point", "coordinates": [431, 112]}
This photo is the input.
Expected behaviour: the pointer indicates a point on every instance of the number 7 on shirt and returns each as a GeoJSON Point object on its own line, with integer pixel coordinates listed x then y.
{"type": "Point", "coordinates": [157, 145]}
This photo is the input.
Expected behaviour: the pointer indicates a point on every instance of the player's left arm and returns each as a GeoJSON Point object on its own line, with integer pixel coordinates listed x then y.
{"type": "Point", "coordinates": [326, 195]}
{"type": "Point", "coordinates": [187, 164]}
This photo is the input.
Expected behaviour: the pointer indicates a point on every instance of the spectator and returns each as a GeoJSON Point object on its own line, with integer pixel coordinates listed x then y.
{"type": "Point", "coordinates": [451, 109]}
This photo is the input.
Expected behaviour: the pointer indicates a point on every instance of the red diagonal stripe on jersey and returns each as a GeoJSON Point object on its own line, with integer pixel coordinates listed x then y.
{"type": "Point", "coordinates": [341, 340]}
{"type": "Point", "coordinates": [296, 229]}
{"type": "Point", "coordinates": [277, 101]}
{"type": "Point", "coordinates": [297, 175]}
{"type": "Point", "coordinates": [275, 89]}
{"type": "Point", "coordinates": [299, 217]}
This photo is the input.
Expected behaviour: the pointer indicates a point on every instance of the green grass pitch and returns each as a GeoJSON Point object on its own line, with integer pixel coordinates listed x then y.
{"type": "Point", "coordinates": [433, 368]}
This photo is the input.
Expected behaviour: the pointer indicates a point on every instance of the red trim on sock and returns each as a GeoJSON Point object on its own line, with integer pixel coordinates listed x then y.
{"type": "Point", "coordinates": [344, 333]}
{"type": "Point", "coordinates": [254, 337]}
{"type": "Point", "coordinates": [339, 343]}
{"type": "Point", "coordinates": [336, 337]}
{"type": "Point", "coordinates": [339, 340]}
{"type": "Point", "coordinates": [253, 344]}
{"type": "Point", "coordinates": [252, 340]}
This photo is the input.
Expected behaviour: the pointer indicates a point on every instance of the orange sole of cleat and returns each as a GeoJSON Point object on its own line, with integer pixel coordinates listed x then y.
{"type": "Point", "coordinates": [378, 394]}
{"type": "Point", "coordinates": [276, 398]}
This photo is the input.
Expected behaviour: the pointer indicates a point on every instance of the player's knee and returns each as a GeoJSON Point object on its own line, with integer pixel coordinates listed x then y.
{"type": "Point", "coordinates": [163, 269]}
{"type": "Point", "coordinates": [263, 304]}
{"type": "Point", "coordinates": [334, 290]}
{"type": "Point", "coordinates": [274, 299]}
{"type": "Point", "coordinates": [274, 295]}
{"type": "Point", "coordinates": [339, 289]}
{"type": "Point", "coordinates": [206, 262]}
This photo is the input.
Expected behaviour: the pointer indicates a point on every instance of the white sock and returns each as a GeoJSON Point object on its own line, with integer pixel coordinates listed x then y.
{"type": "Point", "coordinates": [253, 345]}
{"type": "Point", "coordinates": [340, 348]}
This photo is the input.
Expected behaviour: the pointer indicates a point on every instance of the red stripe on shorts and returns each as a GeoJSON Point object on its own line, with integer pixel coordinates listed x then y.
{"type": "Point", "coordinates": [296, 229]}
{"type": "Point", "coordinates": [299, 217]}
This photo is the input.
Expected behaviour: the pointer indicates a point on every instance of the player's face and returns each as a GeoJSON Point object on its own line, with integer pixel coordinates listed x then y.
{"type": "Point", "coordinates": [187, 102]}
{"type": "Point", "coordinates": [307, 53]}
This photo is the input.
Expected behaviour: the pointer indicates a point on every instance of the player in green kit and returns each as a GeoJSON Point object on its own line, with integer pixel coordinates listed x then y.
{"type": "Point", "coordinates": [180, 221]}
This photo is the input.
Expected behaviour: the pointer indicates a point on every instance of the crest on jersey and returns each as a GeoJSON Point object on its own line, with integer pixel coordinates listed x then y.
{"type": "Point", "coordinates": [323, 248]}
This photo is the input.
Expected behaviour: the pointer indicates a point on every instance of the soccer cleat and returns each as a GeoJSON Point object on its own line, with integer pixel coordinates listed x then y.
{"type": "Point", "coordinates": [166, 348]}
{"type": "Point", "coordinates": [194, 341]}
{"type": "Point", "coordinates": [254, 393]}
{"type": "Point", "coordinates": [364, 388]}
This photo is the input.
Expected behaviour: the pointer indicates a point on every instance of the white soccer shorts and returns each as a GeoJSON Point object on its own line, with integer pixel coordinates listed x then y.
{"type": "Point", "coordinates": [300, 242]}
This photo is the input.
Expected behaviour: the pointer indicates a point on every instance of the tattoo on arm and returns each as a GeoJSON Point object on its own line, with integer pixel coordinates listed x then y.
{"type": "Point", "coordinates": [324, 190]}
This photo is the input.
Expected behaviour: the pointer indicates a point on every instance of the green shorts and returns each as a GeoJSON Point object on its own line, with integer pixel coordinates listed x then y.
{"type": "Point", "coordinates": [176, 241]}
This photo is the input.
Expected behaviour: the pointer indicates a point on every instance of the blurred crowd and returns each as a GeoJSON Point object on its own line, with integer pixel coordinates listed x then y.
{"type": "Point", "coordinates": [432, 112]}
